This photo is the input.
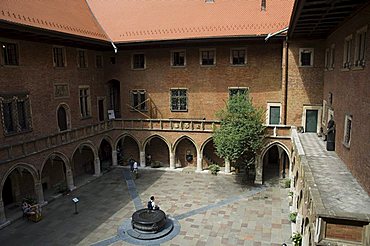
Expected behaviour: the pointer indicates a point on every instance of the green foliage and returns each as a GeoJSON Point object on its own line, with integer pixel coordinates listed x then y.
{"type": "Point", "coordinates": [60, 188]}
{"type": "Point", "coordinates": [290, 193]}
{"type": "Point", "coordinates": [30, 200]}
{"type": "Point", "coordinates": [293, 217]}
{"type": "Point", "coordinates": [214, 168]}
{"type": "Point", "coordinates": [296, 238]}
{"type": "Point", "coordinates": [286, 183]}
{"type": "Point", "coordinates": [156, 164]}
{"type": "Point", "coordinates": [241, 131]}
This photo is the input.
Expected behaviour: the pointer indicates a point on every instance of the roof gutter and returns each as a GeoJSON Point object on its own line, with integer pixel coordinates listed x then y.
{"type": "Point", "coordinates": [270, 35]}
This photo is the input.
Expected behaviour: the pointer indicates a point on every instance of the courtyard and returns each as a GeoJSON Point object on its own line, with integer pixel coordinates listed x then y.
{"type": "Point", "coordinates": [211, 210]}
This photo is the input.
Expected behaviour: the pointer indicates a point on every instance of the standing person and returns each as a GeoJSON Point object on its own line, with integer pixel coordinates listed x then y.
{"type": "Point", "coordinates": [135, 170]}
{"type": "Point", "coordinates": [131, 163]}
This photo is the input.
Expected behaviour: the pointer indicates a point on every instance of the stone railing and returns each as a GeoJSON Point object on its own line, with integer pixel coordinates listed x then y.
{"type": "Point", "coordinates": [30, 147]}
{"type": "Point", "coordinates": [191, 125]}
{"type": "Point", "coordinates": [278, 131]}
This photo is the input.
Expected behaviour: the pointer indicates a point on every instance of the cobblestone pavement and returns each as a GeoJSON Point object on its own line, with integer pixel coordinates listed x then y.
{"type": "Point", "coordinates": [212, 210]}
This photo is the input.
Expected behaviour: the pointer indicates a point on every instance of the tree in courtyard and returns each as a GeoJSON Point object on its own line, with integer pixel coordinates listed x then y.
{"type": "Point", "coordinates": [241, 132]}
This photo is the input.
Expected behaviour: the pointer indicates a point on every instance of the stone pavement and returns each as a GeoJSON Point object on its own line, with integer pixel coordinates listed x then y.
{"type": "Point", "coordinates": [339, 190]}
{"type": "Point", "coordinates": [212, 210]}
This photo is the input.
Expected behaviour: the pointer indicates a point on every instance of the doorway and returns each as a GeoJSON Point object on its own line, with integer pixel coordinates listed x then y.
{"type": "Point", "coordinates": [311, 120]}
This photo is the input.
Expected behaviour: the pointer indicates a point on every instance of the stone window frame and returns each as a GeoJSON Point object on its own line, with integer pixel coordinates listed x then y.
{"type": "Point", "coordinates": [359, 60]}
{"type": "Point", "coordinates": [68, 116]}
{"type": "Point", "coordinates": [134, 92]}
{"type": "Point", "coordinates": [232, 57]}
{"type": "Point", "coordinates": [269, 105]}
{"type": "Point", "coordinates": [306, 50]}
{"type": "Point", "coordinates": [100, 64]}
{"type": "Point", "coordinates": [332, 57]}
{"type": "Point", "coordinates": [347, 134]}
{"type": "Point", "coordinates": [201, 57]}
{"type": "Point", "coordinates": [325, 110]}
{"type": "Point", "coordinates": [327, 58]}
{"type": "Point", "coordinates": [347, 53]}
{"type": "Point", "coordinates": [133, 55]}
{"type": "Point", "coordinates": [239, 88]}
{"type": "Point", "coordinates": [82, 59]}
{"type": "Point", "coordinates": [84, 102]}
{"type": "Point", "coordinates": [179, 97]}
{"type": "Point", "coordinates": [14, 100]}
{"type": "Point", "coordinates": [63, 54]}
{"type": "Point", "coordinates": [4, 43]}
{"type": "Point", "coordinates": [172, 59]}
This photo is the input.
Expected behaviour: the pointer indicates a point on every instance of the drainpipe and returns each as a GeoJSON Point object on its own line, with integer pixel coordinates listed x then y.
{"type": "Point", "coordinates": [286, 44]}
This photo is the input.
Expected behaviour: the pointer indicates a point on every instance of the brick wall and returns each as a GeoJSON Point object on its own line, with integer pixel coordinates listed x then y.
{"type": "Point", "coordinates": [345, 232]}
{"type": "Point", "coordinates": [37, 76]}
{"type": "Point", "coordinates": [207, 86]}
{"type": "Point", "coordinates": [351, 90]}
{"type": "Point", "coordinates": [305, 84]}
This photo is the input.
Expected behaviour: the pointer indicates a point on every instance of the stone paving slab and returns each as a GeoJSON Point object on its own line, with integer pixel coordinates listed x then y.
{"type": "Point", "coordinates": [232, 214]}
{"type": "Point", "coordinates": [339, 190]}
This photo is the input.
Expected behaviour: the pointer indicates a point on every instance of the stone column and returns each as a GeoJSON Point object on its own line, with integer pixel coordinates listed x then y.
{"type": "Point", "coordinates": [199, 162]}
{"type": "Point", "coordinates": [2, 213]}
{"type": "Point", "coordinates": [114, 158]}
{"type": "Point", "coordinates": [259, 170]}
{"type": "Point", "coordinates": [39, 193]}
{"type": "Point", "coordinates": [142, 159]}
{"type": "Point", "coordinates": [97, 167]}
{"type": "Point", "coordinates": [172, 160]}
{"type": "Point", "coordinates": [227, 166]}
{"type": "Point", "coordinates": [69, 177]}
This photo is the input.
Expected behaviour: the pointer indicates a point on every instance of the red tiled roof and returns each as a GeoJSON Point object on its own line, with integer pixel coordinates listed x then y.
{"type": "Point", "coordinates": [67, 16]}
{"type": "Point", "coordinates": [144, 20]}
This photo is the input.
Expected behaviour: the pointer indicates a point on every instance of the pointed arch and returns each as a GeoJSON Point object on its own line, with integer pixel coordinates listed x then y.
{"type": "Point", "coordinates": [158, 136]}
{"type": "Point", "coordinates": [30, 168]}
{"type": "Point", "coordinates": [205, 143]}
{"type": "Point", "coordinates": [61, 155]}
{"type": "Point", "coordinates": [182, 138]}
{"type": "Point", "coordinates": [279, 144]}
{"type": "Point", "coordinates": [119, 138]}
{"type": "Point", "coordinates": [106, 138]}
{"type": "Point", "coordinates": [88, 144]}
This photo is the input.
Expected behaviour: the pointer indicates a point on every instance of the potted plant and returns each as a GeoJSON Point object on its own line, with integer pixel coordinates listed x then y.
{"type": "Point", "coordinates": [214, 168]}
{"type": "Point", "coordinates": [293, 217]}
{"type": "Point", "coordinates": [296, 239]}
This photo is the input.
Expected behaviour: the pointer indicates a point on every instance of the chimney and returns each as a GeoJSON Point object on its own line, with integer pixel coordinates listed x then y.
{"type": "Point", "coordinates": [263, 5]}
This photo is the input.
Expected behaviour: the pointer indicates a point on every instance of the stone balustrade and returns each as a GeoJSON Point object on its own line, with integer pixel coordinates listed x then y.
{"type": "Point", "coordinates": [34, 146]}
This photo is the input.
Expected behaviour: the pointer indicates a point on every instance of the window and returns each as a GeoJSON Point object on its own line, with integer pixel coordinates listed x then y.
{"type": "Point", "coordinates": [179, 100]}
{"type": "Point", "coordinates": [10, 54]}
{"type": "Point", "coordinates": [273, 113]}
{"type": "Point", "coordinates": [138, 61]}
{"type": "Point", "coordinates": [16, 114]}
{"type": "Point", "coordinates": [238, 91]}
{"type": "Point", "coordinates": [306, 57]}
{"type": "Point", "coordinates": [360, 47]}
{"type": "Point", "coordinates": [138, 100]}
{"type": "Point", "coordinates": [99, 61]}
{"type": "Point", "coordinates": [238, 56]}
{"type": "Point", "coordinates": [178, 58]}
{"type": "Point", "coordinates": [59, 57]}
{"type": "Point", "coordinates": [347, 52]}
{"type": "Point", "coordinates": [208, 57]}
{"type": "Point", "coordinates": [332, 56]}
{"type": "Point", "coordinates": [327, 58]}
{"type": "Point", "coordinates": [84, 95]}
{"type": "Point", "coordinates": [347, 131]}
{"type": "Point", "coordinates": [81, 59]}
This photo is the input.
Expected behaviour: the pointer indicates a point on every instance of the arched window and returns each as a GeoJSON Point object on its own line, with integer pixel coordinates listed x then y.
{"type": "Point", "coordinates": [63, 118]}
